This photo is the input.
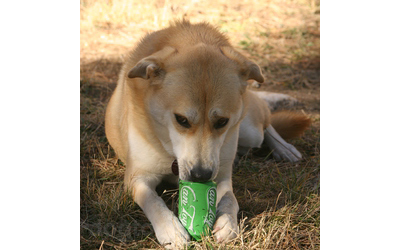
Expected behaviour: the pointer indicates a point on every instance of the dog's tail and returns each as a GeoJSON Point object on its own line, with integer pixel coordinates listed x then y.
{"type": "Point", "coordinates": [290, 124]}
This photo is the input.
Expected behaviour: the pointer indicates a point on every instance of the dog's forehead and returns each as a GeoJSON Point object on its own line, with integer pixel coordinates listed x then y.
{"type": "Point", "coordinates": [203, 63]}
{"type": "Point", "coordinates": [205, 73]}
{"type": "Point", "coordinates": [203, 81]}
{"type": "Point", "coordinates": [218, 96]}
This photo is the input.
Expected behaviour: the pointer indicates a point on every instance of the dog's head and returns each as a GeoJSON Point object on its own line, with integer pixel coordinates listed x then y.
{"type": "Point", "coordinates": [195, 101]}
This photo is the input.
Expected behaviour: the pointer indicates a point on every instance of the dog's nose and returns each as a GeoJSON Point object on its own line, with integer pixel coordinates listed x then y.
{"type": "Point", "coordinates": [199, 174]}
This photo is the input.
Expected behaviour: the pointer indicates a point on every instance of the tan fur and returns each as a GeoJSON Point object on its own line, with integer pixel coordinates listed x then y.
{"type": "Point", "coordinates": [258, 111]}
{"type": "Point", "coordinates": [290, 124]}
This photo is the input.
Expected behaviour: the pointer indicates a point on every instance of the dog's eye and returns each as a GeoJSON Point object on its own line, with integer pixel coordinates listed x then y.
{"type": "Point", "coordinates": [183, 121]}
{"type": "Point", "coordinates": [221, 123]}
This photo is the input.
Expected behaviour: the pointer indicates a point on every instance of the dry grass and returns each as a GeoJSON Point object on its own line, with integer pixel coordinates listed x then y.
{"type": "Point", "coordinates": [279, 202]}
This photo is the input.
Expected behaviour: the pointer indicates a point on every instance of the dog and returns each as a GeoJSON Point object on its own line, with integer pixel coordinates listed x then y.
{"type": "Point", "coordinates": [182, 97]}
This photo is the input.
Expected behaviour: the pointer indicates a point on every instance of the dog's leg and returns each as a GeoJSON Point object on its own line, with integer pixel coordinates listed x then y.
{"type": "Point", "coordinates": [275, 100]}
{"type": "Point", "coordinates": [250, 136]}
{"type": "Point", "coordinates": [281, 150]}
{"type": "Point", "coordinates": [226, 226]}
{"type": "Point", "coordinates": [168, 229]}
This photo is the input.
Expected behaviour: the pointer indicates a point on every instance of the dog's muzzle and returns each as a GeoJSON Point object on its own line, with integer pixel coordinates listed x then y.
{"type": "Point", "coordinates": [197, 174]}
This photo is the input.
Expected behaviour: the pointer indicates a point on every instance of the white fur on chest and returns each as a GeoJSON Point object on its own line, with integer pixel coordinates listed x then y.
{"type": "Point", "coordinates": [142, 154]}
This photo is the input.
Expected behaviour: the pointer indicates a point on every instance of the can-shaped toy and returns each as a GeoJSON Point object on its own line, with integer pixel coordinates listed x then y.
{"type": "Point", "coordinates": [197, 207]}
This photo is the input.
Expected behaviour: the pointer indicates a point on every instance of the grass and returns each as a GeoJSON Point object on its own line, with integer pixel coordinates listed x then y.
{"type": "Point", "coordinates": [279, 202]}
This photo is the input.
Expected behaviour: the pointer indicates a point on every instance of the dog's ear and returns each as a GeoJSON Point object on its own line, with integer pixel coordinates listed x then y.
{"type": "Point", "coordinates": [253, 72]}
{"type": "Point", "coordinates": [143, 69]}
{"type": "Point", "coordinates": [248, 69]}
{"type": "Point", "coordinates": [152, 65]}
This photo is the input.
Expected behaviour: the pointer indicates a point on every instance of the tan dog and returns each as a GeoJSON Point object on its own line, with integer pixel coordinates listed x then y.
{"type": "Point", "coordinates": [181, 96]}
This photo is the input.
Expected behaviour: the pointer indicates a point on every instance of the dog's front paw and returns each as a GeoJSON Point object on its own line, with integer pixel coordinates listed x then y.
{"type": "Point", "coordinates": [286, 152]}
{"type": "Point", "coordinates": [225, 228]}
{"type": "Point", "coordinates": [170, 232]}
